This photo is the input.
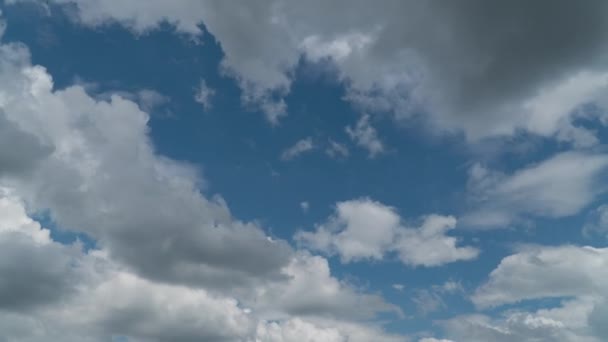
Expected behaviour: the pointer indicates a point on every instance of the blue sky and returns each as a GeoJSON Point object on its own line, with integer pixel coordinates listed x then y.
{"type": "Point", "coordinates": [276, 171]}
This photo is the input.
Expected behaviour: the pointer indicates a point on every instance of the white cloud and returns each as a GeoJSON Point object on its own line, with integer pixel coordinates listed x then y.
{"type": "Point", "coordinates": [575, 275]}
{"type": "Point", "coordinates": [296, 330]}
{"type": "Point", "coordinates": [367, 230]}
{"type": "Point", "coordinates": [304, 205]}
{"type": "Point", "coordinates": [61, 292]}
{"type": "Point", "coordinates": [156, 270]}
{"type": "Point", "coordinates": [542, 272]}
{"type": "Point", "coordinates": [300, 147]}
{"type": "Point", "coordinates": [560, 186]}
{"type": "Point", "coordinates": [204, 95]}
{"type": "Point", "coordinates": [398, 287]}
{"type": "Point", "coordinates": [547, 325]}
{"type": "Point", "coordinates": [365, 135]}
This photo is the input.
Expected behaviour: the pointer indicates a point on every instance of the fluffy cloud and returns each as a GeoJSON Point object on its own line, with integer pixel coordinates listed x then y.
{"type": "Point", "coordinates": [576, 275]}
{"type": "Point", "coordinates": [297, 330]}
{"type": "Point", "coordinates": [475, 67]}
{"type": "Point", "coordinates": [104, 178]}
{"type": "Point", "coordinates": [62, 292]}
{"type": "Point", "coordinates": [560, 186]}
{"type": "Point", "coordinates": [552, 325]}
{"type": "Point", "coordinates": [543, 272]}
{"type": "Point", "coordinates": [166, 253]}
{"type": "Point", "coordinates": [311, 290]}
{"type": "Point", "coordinates": [365, 229]}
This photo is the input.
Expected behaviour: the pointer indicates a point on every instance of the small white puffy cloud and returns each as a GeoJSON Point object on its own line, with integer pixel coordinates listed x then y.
{"type": "Point", "coordinates": [304, 205]}
{"type": "Point", "coordinates": [560, 186]}
{"type": "Point", "coordinates": [366, 136]}
{"type": "Point", "coordinates": [300, 147]}
{"type": "Point", "coordinates": [398, 287]}
{"type": "Point", "coordinates": [364, 229]}
{"type": "Point", "coordinates": [204, 94]}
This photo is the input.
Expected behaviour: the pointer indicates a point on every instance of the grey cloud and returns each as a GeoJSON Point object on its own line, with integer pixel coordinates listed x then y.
{"type": "Point", "coordinates": [107, 181]}
{"type": "Point", "coordinates": [473, 65]}
{"type": "Point", "coordinates": [19, 150]}
{"type": "Point", "coordinates": [32, 275]}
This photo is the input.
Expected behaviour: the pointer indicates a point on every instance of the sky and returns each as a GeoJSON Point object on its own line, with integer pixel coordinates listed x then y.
{"type": "Point", "coordinates": [303, 171]}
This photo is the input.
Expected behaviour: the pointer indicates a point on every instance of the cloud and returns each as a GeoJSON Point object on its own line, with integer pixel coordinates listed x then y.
{"type": "Point", "coordinates": [597, 223]}
{"type": "Point", "coordinates": [43, 273]}
{"type": "Point", "coordinates": [62, 292]}
{"type": "Point", "coordinates": [363, 229]}
{"type": "Point", "coordinates": [300, 147]}
{"type": "Point", "coordinates": [164, 252]}
{"type": "Point", "coordinates": [304, 205]}
{"type": "Point", "coordinates": [204, 94]}
{"type": "Point", "coordinates": [19, 150]}
{"type": "Point", "coordinates": [365, 135]}
{"type": "Point", "coordinates": [565, 324]}
{"type": "Point", "coordinates": [398, 287]}
{"type": "Point", "coordinates": [560, 186]}
{"type": "Point", "coordinates": [91, 138]}
{"type": "Point", "coordinates": [508, 68]}
{"type": "Point", "coordinates": [337, 150]}
{"type": "Point", "coordinates": [576, 275]}
{"type": "Point", "coordinates": [543, 272]}
{"type": "Point", "coordinates": [297, 330]}
{"type": "Point", "coordinates": [312, 291]}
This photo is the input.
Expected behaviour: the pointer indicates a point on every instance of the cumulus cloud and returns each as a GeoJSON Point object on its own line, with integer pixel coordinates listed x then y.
{"type": "Point", "coordinates": [542, 272]}
{"type": "Point", "coordinates": [474, 67]}
{"type": "Point", "coordinates": [90, 138]}
{"type": "Point", "coordinates": [62, 292]}
{"type": "Point", "coordinates": [573, 274]}
{"type": "Point", "coordinates": [364, 229]}
{"type": "Point", "coordinates": [165, 253]}
{"type": "Point", "coordinates": [300, 147]}
{"type": "Point", "coordinates": [565, 324]}
{"type": "Point", "coordinates": [560, 186]}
